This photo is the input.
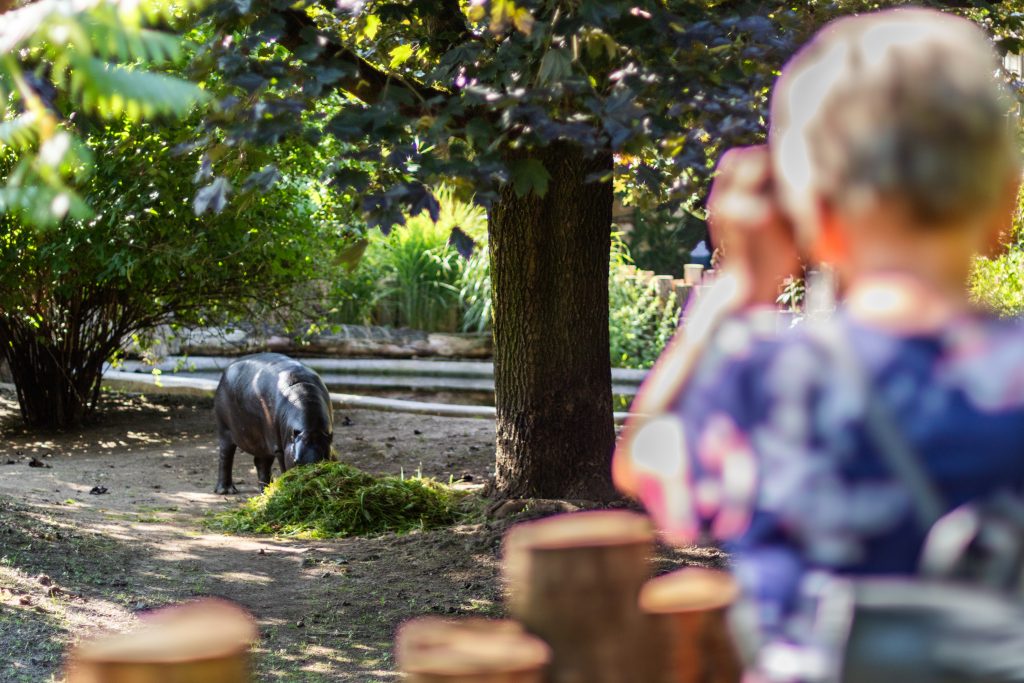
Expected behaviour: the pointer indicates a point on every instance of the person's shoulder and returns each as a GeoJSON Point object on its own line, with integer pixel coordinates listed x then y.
{"type": "Point", "coordinates": [983, 357]}
{"type": "Point", "coordinates": [751, 353]}
{"type": "Point", "coordinates": [981, 333]}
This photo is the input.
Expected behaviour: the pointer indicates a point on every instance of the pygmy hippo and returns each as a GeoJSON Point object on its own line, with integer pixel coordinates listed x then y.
{"type": "Point", "coordinates": [271, 406]}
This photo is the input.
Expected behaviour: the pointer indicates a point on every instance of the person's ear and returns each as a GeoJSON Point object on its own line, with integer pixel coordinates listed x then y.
{"type": "Point", "coordinates": [998, 230]}
{"type": "Point", "coordinates": [830, 244]}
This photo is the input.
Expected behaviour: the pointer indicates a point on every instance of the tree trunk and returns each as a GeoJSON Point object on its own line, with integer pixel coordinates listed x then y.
{"type": "Point", "coordinates": [57, 368]}
{"type": "Point", "coordinates": [206, 640]}
{"type": "Point", "coordinates": [552, 374]}
{"type": "Point", "coordinates": [435, 650]}
{"type": "Point", "coordinates": [688, 610]}
{"type": "Point", "coordinates": [574, 580]}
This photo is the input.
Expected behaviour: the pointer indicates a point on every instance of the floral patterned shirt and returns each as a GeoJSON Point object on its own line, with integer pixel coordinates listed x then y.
{"type": "Point", "coordinates": [779, 466]}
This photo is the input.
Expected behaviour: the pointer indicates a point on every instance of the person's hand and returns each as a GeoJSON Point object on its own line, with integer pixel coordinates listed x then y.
{"type": "Point", "coordinates": [747, 224]}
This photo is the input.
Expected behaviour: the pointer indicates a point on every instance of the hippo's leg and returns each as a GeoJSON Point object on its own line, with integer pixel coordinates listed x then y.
{"type": "Point", "coordinates": [263, 466]}
{"type": "Point", "coordinates": [227, 459]}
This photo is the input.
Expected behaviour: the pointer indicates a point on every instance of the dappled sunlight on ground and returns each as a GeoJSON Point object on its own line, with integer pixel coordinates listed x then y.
{"type": "Point", "coordinates": [327, 610]}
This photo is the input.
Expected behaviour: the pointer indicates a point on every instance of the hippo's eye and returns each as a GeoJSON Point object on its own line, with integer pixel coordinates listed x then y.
{"type": "Point", "coordinates": [296, 433]}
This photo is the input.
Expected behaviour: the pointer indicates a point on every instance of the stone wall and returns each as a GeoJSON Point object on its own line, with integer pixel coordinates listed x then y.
{"type": "Point", "coordinates": [340, 341]}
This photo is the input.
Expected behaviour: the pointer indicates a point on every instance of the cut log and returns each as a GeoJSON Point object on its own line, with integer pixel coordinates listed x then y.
{"type": "Point", "coordinates": [435, 650]}
{"type": "Point", "coordinates": [203, 641]}
{"type": "Point", "coordinates": [574, 580]}
{"type": "Point", "coordinates": [688, 608]}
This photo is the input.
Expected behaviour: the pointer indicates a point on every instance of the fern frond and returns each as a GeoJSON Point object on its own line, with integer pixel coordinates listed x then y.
{"type": "Point", "coordinates": [20, 132]}
{"type": "Point", "coordinates": [20, 24]}
{"type": "Point", "coordinates": [40, 200]}
{"type": "Point", "coordinates": [112, 39]}
{"type": "Point", "coordinates": [157, 11]}
{"type": "Point", "coordinates": [111, 90]}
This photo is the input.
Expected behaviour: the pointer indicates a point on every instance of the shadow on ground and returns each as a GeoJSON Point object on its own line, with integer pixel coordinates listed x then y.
{"type": "Point", "coordinates": [74, 564]}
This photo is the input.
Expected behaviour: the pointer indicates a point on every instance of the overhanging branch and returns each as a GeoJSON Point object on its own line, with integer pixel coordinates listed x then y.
{"type": "Point", "coordinates": [366, 81]}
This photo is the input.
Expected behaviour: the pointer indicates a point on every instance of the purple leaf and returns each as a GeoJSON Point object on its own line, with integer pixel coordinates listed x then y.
{"type": "Point", "coordinates": [214, 197]}
{"type": "Point", "coordinates": [462, 242]}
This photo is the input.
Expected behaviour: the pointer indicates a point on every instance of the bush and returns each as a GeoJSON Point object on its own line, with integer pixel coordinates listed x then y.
{"type": "Point", "coordinates": [420, 288]}
{"type": "Point", "coordinates": [661, 240]}
{"type": "Point", "coordinates": [73, 294]}
{"type": "Point", "coordinates": [998, 284]}
{"type": "Point", "coordinates": [413, 277]}
{"type": "Point", "coordinates": [332, 499]}
{"type": "Point", "coordinates": [475, 292]}
{"type": "Point", "coordinates": [640, 323]}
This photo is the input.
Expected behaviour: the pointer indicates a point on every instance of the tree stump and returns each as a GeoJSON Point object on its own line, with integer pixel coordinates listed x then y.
{"type": "Point", "coordinates": [574, 580]}
{"type": "Point", "coordinates": [434, 650]}
{"type": "Point", "coordinates": [199, 642]}
{"type": "Point", "coordinates": [688, 608]}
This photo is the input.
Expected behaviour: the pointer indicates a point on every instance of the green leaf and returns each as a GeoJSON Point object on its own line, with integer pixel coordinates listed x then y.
{"type": "Point", "coordinates": [111, 90]}
{"type": "Point", "coordinates": [529, 175]}
{"type": "Point", "coordinates": [556, 66]}
{"type": "Point", "coordinates": [114, 40]}
{"type": "Point", "coordinates": [371, 26]}
{"type": "Point", "coordinates": [522, 20]}
{"type": "Point", "coordinates": [401, 54]}
{"type": "Point", "coordinates": [20, 132]}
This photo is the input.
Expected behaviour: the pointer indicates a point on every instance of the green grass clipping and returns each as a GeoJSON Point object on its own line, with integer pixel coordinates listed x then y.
{"type": "Point", "coordinates": [332, 499]}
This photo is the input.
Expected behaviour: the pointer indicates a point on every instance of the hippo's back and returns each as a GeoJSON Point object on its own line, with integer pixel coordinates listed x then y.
{"type": "Point", "coordinates": [265, 372]}
{"type": "Point", "coordinates": [248, 401]}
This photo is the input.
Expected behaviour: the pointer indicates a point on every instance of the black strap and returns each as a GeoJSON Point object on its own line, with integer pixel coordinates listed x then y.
{"type": "Point", "coordinates": [893, 446]}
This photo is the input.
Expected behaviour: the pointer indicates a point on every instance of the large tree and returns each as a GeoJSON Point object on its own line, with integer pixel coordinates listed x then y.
{"type": "Point", "coordinates": [532, 108]}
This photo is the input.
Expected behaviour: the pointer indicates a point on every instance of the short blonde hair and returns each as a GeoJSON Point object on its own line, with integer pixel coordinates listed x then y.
{"type": "Point", "coordinates": [902, 104]}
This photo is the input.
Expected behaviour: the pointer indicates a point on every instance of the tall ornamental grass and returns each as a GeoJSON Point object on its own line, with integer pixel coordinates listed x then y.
{"type": "Point", "coordinates": [413, 277]}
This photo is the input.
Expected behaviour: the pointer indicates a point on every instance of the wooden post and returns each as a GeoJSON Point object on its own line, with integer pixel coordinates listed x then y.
{"type": "Point", "coordinates": [198, 642]}
{"type": "Point", "coordinates": [688, 609]}
{"type": "Point", "coordinates": [435, 650]}
{"type": "Point", "coordinates": [574, 580]}
{"type": "Point", "coordinates": [663, 283]}
{"type": "Point", "coordinates": [682, 289]}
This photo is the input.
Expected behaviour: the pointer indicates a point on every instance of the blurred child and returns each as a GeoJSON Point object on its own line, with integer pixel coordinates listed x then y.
{"type": "Point", "coordinates": [891, 157]}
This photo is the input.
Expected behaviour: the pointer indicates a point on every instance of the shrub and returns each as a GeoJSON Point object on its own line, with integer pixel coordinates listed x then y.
{"type": "Point", "coordinates": [413, 277]}
{"type": "Point", "coordinates": [73, 294]}
{"type": "Point", "coordinates": [332, 499]}
{"type": "Point", "coordinates": [640, 323]}
{"type": "Point", "coordinates": [420, 287]}
{"type": "Point", "coordinates": [998, 284]}
{"type": "Point", "coordinates": [475, 292]}
{"type": "Point", "coordinates": [661, 240]}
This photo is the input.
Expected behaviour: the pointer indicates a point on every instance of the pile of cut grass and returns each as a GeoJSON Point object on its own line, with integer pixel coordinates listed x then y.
{"type": "Point", "coordinates": [332, 499]}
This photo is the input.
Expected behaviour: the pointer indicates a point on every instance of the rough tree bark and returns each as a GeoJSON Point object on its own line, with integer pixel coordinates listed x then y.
{"type": "Point", "coordinates": [549, 270]}
{"type": "Point", "coordinates": [56, 357]}
{"type": "Point", "coordinates": [55, 391]}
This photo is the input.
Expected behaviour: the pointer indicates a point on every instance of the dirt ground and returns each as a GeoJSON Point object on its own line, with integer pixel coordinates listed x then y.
{"type": "Point", "coordinates": [75, 563]}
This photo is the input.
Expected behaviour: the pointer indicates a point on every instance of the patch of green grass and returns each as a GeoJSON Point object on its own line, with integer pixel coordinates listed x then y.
{"type": "Point", "coordinates": [332, 499]}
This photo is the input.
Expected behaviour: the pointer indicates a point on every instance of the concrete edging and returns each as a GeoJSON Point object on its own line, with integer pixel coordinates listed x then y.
{"type": "Point", "coordinates": [169, 384]}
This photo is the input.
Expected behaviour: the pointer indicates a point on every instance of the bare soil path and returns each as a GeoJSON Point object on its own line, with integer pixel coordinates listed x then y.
{"type": "Point", "coordinates": [73, 563]}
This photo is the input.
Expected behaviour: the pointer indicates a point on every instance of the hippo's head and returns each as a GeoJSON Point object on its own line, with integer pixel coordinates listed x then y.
{"type": "Point", "coordinates": [306, 447]}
